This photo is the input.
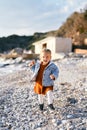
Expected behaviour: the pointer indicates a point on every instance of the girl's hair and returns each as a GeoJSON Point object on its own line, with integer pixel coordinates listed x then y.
{"type": "Point", "coordinates": [46, 50]}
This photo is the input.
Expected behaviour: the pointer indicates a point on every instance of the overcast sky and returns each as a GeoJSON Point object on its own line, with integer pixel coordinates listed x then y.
{"type": "Point", "coordinates": [25, 17]}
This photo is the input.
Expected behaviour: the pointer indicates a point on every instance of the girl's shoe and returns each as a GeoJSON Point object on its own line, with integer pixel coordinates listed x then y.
{"type": "Point", "coordinates": [51, 106]}
{"type": "Point", "coordinates": [41, 106]}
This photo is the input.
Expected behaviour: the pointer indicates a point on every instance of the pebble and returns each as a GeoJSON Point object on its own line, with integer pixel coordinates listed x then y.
{"type": "Point", "coordinates": [69, 116]}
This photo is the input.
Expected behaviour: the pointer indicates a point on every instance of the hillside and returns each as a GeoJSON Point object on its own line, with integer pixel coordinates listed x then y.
{"type": "Point", "coordinates": [15, 41]}
{"type": "Point", "coordinates": [74, 27]}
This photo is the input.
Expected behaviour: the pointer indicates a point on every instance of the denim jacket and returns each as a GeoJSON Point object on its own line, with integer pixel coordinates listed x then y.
{"type": "Point", "coordinates": [51, 68]}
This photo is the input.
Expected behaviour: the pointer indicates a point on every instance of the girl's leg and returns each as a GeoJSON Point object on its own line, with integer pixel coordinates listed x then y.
{"type": "Point", "coordinates": [41, 101]}
{"type": "Point", "coordinates": [41, 98]}
{"type": "Point", "coordinates": [50, 100]}
{"type": "Point", "coordinates": [50, 97]}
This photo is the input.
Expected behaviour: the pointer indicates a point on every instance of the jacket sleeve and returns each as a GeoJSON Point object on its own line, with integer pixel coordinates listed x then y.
{"type": "Point", "coordinates": [55, 72]}
{"type": "Point", "coordinates": [35, 67]}
{"type": "Point", "coordinates": [32, 68]}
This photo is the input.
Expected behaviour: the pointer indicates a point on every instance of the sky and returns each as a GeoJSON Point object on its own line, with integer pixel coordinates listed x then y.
{"type": "Point", "coordinates": [25, 17]}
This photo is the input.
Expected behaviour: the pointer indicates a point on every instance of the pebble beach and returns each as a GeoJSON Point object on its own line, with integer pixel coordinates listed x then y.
{"type": "Point", "coordinates": [19, 104]}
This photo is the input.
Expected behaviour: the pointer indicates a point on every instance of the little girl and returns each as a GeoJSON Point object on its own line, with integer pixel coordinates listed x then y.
{"type": "Point", "coordinates": [45, 72]}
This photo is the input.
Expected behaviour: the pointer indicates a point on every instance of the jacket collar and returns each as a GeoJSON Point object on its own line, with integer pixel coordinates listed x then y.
{"type": "Point", "coordinates": [50, 62]}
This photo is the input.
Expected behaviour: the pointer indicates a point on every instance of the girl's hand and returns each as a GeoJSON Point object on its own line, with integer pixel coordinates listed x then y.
{"type": "Point", "coordinates": [32, 63]}
{"type": "Point", "coordinates": [52, 77]}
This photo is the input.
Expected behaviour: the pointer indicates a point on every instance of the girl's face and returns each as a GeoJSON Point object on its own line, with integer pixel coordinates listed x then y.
{"type": "Point", "coordinates": [45, 57]}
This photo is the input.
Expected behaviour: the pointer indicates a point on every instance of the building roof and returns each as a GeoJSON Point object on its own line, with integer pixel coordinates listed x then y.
{"type": "Point", "coordinates": [46, 39]}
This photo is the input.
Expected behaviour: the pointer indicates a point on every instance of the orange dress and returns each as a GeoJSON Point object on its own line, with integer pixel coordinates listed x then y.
{"type": "Point", "coordinates": [38, 88]}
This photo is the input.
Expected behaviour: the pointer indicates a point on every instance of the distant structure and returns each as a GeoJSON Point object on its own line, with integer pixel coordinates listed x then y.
{"type": "Point", "coordinates": [55, 44]}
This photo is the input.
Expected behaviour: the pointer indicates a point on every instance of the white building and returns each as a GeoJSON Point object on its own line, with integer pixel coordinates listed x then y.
{"type": "Point", "coordinates": [55, 44]}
